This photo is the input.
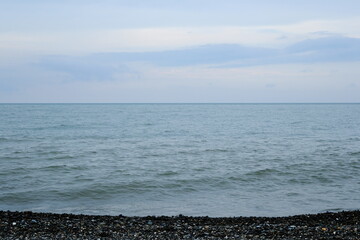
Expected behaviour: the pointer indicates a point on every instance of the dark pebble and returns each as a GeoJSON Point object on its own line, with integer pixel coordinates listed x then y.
{"type": "Point", "coordinates": [29, 225]}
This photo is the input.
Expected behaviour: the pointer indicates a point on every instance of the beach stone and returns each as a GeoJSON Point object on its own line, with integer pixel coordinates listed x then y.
{"type": "Point", "coordinates": [28, 225]}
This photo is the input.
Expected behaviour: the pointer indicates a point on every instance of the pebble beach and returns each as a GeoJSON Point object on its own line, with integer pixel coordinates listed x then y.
{"type": "Point", "coordinates": [31, 225]}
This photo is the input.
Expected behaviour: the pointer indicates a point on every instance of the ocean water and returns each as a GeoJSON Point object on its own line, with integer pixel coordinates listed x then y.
{"type": "Point", "coordinates": [170, 159]}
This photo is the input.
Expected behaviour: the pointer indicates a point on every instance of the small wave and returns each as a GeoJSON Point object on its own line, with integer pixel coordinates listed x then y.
{"type": "Point", "coordinates": [104, 191]}
{"type": "Point", "coordinates": [18, 170]}
{"type": "Point", "coordinates": [354, 153]}
{"type": "Point", "coordinates": [264, 172]}
{"type": "Point", "coordinates": [64, 126]}
{"type": "Point", "coordinates": [217, 150]}
{"type": "Point", "coordinates": [16, 140]}
{"type": "Point", "coordinates": [15, 198]}
{"type": "Point", "coordinates": [62, 167]}
{"type": "Point", "coordinates": [17, 157]}
{"type": "Point", "coordinates": [18, 152]}
{"type": "Point", "coordinates": [304, 166]}
{"type": "Point", "coordinates": [168, 173]}
{"type": "Point", "coordinates": [300, 181]}
{"type": "Point", "coordinates": [332, 210]}
{"type": "Point", "coordinates": [189, 152]}
{"type": "Point", "coordinates": [292, 194]}
{"type": "Point", "coordinates": [61, 157]}
{"type": "Point", "coordinates": [207, 183]}
{"type": "Point", "coordinates": [54, 154]}
{"type": "Point", "coordinates": [355, 164]}
{"type": "Point", "coordinates": [239, 179]}
{"type": "Point", "coordinates": [151, 155]}
{"type": "Point", "coordinates": [48, 153]}
{"type": "Point", "coordinates": [202, 169]}
{"type": "Point", "coordinates": [322, 179]}
{"type": "Point", "coordinates": [54, 167]}
{"type": "Point", "coordinates": [354, 139]}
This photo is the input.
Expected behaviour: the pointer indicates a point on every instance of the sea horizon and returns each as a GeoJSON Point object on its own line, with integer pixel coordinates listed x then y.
{"type": "Point", "coordinates": [225, 103]}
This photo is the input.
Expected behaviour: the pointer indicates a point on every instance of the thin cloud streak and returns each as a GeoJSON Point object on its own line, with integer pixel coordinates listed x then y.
{"type": "Point", "coordinates": [157, 39]}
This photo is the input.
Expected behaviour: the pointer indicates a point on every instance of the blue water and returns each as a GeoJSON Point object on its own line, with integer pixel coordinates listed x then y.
{"type": "Point", "coordinates": [169, 159]}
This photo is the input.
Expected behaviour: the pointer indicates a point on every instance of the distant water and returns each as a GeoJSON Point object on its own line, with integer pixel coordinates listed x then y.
{"type": "Point", "coordinates": [169, 159]}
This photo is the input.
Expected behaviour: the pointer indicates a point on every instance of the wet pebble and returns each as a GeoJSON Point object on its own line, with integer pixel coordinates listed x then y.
{"type": "Point", "coordinates": [28, 225]}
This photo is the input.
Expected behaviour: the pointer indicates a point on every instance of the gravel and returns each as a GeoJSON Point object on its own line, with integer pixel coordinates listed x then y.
{"type": "Point", "coordinates": [30, 225]}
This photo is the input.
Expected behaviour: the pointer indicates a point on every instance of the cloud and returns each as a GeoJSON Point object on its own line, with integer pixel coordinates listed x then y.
{"type": "Point", "coordinates": [207, 54]}
{"type": "Point", "coordinates": [324, 82]}
{"type": "Point", "coordinates": [133, 40]}
{"type": "Point", "coordinates": [87, 41]}
{"type": "Point", "coordinates": [85, 68]}
{"type": "Point", "coordinates": [167, 50]}
{"type": "Point", "coordinates": [130, 66]}
{"type": "Point", "coordinates": [329, 49]}
{"type": "Point", "coordinates": [216, 72]}
{"type": "Point", "coordinates": [47, 16]}
{"type": "Point", "coordinates": [348, 27]}
{"type": "Point", "coordinates": [326, 34]}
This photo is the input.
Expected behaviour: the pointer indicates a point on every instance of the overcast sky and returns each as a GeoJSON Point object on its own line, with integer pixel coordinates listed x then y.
{"type": "Point", "coordinates": [180, 51]}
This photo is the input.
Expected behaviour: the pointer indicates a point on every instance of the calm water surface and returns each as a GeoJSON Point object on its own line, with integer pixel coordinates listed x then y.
{"type": "Point", "coordinates": [169, 159]}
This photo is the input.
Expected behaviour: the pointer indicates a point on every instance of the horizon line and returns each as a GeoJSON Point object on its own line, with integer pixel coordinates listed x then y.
{"type": "Point", "coordinates": [179, 102]}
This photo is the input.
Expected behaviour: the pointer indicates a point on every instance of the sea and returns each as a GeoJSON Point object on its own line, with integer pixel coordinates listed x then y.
{"type": "Point", "coordinates": [212, 160]}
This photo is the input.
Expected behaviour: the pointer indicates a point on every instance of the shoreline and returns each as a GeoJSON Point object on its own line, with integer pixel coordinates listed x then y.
{"type": "Point", "coordinates": [32, 225]}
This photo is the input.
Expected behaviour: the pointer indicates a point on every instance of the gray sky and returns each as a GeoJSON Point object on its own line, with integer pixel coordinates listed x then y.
{"type": "Point", "coordinates": [180, 51]}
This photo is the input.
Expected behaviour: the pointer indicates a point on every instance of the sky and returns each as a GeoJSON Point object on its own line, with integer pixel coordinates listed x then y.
{"type": "Point", "coordinates": [146, 51]}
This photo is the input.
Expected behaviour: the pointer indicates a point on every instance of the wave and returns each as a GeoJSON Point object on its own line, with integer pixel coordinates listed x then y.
{"type": "Point", "coordinates": [220, 150]}
{"type": "Point", "coordinates": [264, 172]}
{"type": "Point", "coordinates": [168, 173]}
{"type": "Point", "coordinates": [354, 153]}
